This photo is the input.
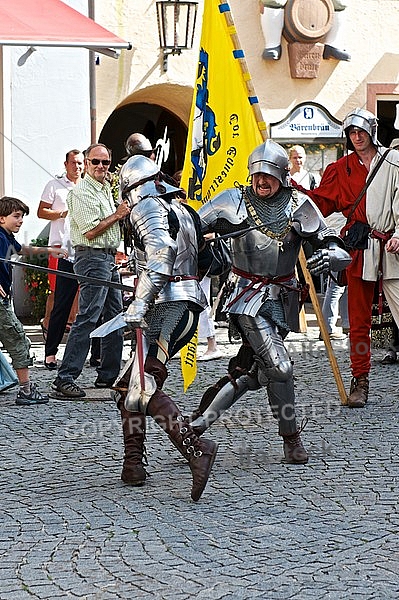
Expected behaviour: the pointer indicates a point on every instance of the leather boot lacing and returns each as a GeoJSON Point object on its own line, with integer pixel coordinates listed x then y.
{"type": "Point", "coordinates": [189, 438]}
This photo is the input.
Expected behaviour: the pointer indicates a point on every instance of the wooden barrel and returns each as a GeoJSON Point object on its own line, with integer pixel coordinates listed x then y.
{"type": "Point", "coordinates": [307, 20]}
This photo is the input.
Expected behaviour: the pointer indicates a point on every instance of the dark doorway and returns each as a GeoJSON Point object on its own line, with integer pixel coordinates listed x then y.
{"type": "Point", "coordinates": [386, 114]}
{"type": "Point", "coordinates": [151, 120]}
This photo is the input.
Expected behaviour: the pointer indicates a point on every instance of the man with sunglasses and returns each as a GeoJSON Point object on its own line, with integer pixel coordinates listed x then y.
{"type": "Point", "coordinates": [95, 235]}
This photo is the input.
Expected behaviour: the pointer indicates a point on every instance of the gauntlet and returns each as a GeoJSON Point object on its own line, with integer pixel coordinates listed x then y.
{"type": "Point", "coordinates": [332, 258]}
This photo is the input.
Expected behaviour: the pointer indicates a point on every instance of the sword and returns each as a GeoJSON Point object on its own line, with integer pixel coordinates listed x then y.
{"type": "Point", "coordinates": [82, 278]}
{"type": "Point", "coordinates": [141, 385]}
{"type": "Point", "coordinates": [140, 357]}
{"type": "Point", "coordinates": [226, 236]}
{"type": "Point", "coordinates": [113, 324]}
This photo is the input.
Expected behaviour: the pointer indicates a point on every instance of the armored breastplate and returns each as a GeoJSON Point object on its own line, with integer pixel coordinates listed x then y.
{"type": "Point", "coordinates": [260, 254]}
{"type": "Point", "coordinates": [171, 248]}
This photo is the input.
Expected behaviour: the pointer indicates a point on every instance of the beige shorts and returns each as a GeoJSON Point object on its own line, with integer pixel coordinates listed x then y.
{"type": "Point", "coordinates": [13, 336]}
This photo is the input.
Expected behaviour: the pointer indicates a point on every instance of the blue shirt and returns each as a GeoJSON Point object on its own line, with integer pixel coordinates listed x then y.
{"type": "Point", "coordinates": [8, 246]}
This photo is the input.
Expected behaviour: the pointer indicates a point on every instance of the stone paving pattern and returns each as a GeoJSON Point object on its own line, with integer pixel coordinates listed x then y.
{"type": "Point", "coordinates": [262, 529]}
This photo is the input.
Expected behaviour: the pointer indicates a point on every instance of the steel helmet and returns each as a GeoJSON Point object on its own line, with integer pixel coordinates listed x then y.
{"type": "Point", "coordinates": [137, 143]}
{"type": "Point", "coordinates": [270, 158]}
{"type": "Point", "coordinates": [364, 119]}
{"type": "Point", "coordinates": [140, 177]}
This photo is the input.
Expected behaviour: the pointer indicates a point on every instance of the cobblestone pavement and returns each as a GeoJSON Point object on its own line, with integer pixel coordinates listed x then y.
{"type": "Point", "coordinates": [262, 529]}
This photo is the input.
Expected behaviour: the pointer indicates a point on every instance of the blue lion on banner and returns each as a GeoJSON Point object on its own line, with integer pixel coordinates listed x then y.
{"type": "Point", "coordinates": [205, 139]}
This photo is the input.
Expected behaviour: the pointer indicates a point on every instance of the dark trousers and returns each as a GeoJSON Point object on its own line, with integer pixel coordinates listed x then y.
{"type": "Point", "coordinates": [64, 295]}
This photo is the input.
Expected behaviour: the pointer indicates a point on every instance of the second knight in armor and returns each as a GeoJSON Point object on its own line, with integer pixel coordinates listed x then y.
{"type": "Point", "coordinates": [268, 221]}
{"type": "Point", "coordinates": [168, 300]}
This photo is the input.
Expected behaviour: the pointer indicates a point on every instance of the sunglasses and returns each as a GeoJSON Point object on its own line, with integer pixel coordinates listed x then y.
{"type": "Point", "coordinates": [96, 161]}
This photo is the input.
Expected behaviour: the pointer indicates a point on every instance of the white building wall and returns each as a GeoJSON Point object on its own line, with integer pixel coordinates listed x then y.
{"type": "Point", "coordinates": [46, 113]}
{"type": "Point", "coordinates": [371, 37]}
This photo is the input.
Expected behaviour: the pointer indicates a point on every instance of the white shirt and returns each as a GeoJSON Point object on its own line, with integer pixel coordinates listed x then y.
{"type": "Point", "coordinates": [55, 194]}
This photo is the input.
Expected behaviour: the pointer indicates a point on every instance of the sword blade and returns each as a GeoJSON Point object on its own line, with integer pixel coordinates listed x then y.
{"type": "Point", "coordinates": [233, 234]}
{"type": "Point", "coordinates": [117, 322]}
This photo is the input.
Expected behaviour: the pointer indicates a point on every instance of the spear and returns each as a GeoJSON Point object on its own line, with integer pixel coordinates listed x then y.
{"type": "Point", "coordinates": [80, 278]}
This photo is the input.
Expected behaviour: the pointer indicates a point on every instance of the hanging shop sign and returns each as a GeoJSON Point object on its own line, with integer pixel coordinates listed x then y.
{"type": "Point", "coordinates": [308, 122]}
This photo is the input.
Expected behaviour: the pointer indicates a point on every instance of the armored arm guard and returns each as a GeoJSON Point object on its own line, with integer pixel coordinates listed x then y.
{"type": "Point", "coordinates": [150, 222]}
{"type": "Point", "coordinates": [148, 287]}
{"type": "Point", "coordinates": [330, 252]}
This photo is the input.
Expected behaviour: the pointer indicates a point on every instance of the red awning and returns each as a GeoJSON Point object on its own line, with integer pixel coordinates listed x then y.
{"type": "Point", "coordinates": [52, 23]}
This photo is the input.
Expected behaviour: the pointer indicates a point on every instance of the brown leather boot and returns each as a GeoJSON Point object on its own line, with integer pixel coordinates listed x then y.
{"type": "Point", "coordinates": [359, 392]}
{"type": "Point", "coordinates": [133, 428]}
{"type": "Point", "coordinates": [200, 453]}
{"type": "Point", "coordinates": [294, 452]}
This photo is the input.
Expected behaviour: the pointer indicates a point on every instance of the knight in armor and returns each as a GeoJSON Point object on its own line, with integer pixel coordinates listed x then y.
{"type": "Point", "coordinates": [168, 300]}
{"type": "Point", "coordinates": [268, 221]}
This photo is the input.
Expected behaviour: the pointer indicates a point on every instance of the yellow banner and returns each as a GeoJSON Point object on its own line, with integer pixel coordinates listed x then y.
{"type": "Point", "coordinates": [223, 128]}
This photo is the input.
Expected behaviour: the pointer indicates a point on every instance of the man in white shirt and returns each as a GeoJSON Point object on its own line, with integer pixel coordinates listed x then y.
{"type": "Point", "coordinates": [53, 207]}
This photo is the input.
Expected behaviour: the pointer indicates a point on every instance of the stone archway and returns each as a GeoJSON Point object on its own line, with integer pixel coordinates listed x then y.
{"type": "Point", "coordinates": [149, 111]}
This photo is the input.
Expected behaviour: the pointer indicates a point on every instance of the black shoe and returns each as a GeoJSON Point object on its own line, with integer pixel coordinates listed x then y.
{"type": "Point", "coordinates": [34, 397]}
{"type": "Point", "coordinates": [51, 366]}
{"type": "Point", "coordinates": [94, 362]}
{"type": "Point", "coordinates": [331, 52]}
{"type": "Point", "coordinates": [272, 53]}
{"type": "Point", "coordinates": [390, 358]}
{"type": "Point", "coordinates": [104, 383]}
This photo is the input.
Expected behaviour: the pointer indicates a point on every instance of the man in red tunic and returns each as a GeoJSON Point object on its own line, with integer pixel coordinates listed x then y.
{"type": "Point", "coordinates": [375, 256]}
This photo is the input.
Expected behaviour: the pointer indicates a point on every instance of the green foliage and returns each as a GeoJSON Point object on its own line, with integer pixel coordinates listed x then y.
{"type": "Point", "coordinates": [114, 182]}
{"type": "Point", "coordinates": [36, 282]}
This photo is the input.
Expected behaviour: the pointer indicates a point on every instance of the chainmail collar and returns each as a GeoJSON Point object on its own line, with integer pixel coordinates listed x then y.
{"type": "Point", "coordinates": [270, 216]}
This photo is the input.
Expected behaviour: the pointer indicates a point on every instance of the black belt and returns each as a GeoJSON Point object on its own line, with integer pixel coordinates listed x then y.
{"type": "Point", "coordinates": [111, 251]}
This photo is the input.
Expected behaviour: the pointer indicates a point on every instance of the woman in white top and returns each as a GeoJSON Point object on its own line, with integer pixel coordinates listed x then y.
{"type": "Point", "coordinates": [297, 156]}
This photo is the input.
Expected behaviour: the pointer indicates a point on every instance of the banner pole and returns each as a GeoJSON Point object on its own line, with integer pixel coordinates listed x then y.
{"type": "Point", "coordinates": [323, 330]}
{"type": "Point", "coordinates": [239, 55]}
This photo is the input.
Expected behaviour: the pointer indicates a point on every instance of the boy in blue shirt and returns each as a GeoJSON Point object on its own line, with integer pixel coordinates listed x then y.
{"type": "Point", "coordinates": [12, 334]}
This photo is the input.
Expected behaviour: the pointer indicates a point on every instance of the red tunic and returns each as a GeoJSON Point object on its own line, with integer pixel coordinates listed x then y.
{"type": "Point", "coordinates": [340, 185]}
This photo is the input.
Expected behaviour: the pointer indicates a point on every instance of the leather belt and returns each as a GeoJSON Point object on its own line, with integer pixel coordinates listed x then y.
{"type": "Point", "coordinates": [382, 237]}
{"type": "Point", "coordinates": [111, 251]}
{"type": "Point", "coordinates": [261, 280]}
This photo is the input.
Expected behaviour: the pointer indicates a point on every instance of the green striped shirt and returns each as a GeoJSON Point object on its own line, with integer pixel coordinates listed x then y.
{"type": "Point", "coordinates": [89, 203]}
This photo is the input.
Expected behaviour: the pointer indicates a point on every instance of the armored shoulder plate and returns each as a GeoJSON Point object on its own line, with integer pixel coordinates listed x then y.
{"type": "Point", "coordinates": [227, 208]}
{"type": "Point", "coordinates": [307, 220]}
